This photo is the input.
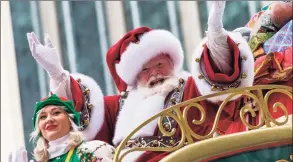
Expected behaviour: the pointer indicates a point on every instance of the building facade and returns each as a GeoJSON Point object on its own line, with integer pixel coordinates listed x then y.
{"type": "Point", "coordinates": [82, 32]}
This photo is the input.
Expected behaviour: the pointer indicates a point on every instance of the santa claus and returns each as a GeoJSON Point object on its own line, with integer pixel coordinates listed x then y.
{"type": "Point", "coordinates": [146, 66]}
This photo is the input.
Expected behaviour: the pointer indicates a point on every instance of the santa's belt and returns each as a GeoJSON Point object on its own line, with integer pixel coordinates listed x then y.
{"type": "Point", "coordinates": [153, 141]}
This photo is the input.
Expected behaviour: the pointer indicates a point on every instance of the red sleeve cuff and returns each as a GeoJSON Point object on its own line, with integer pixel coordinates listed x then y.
{"type": "Point", "coordinates": [223, 78]}
{"type": "Point", "coordinates": [76, 94]}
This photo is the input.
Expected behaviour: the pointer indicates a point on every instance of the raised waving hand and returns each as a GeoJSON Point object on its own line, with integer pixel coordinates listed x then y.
{"type": "Point", "coordinates": [215, 15]}
{"type": "Point", "coordinates": [46, 55]}
{"type": "Point", "coordinates": [217, 38]}
{"type": "Point", "coordinates": [20, 155]}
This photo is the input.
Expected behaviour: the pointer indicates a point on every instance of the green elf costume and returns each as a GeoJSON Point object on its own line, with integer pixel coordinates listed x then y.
{"type": "Point", "coordinates": [60, 150]}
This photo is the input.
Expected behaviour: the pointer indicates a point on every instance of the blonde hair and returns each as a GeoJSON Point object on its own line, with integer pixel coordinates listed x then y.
{"type": "Point", "coordinates": [40, 152]}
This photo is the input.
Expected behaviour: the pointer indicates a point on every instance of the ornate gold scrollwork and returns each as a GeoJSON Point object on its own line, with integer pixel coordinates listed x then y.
{"type": "Point", "coordinates": [197, 122]}
{"type": "Point", "coordinates": [166, 112]}
{"type": "Point", "coordinates": [276, 105]}
{"type": "Point", "coordinates": [162, 127]}
{"type": "Point", "coordinates": [179, 113]}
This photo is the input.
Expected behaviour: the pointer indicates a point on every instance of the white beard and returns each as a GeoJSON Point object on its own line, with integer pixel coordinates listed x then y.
{"type": "Point", "coordinates": [141, 104]}
{"type": "Point", "coordinates": [160, 89]}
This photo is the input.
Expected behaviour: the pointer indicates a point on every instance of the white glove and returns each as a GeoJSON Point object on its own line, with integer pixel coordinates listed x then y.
{"type": "Point", "coordinates": [215, 15]}
{"type": "Point", "coordinates": [217, 38]}
{"type": "Point", "coordinates": [46, 55]}
{"type": "Point", "coordinates": [19, 155]}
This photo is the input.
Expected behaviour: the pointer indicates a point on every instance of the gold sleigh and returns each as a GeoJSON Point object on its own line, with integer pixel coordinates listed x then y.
{"type": "Point", "coordinates": [270, 139]}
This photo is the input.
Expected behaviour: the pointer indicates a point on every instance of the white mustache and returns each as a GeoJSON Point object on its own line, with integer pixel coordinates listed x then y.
{"type": "Point", "coordinates": [156, 77]}
{"type": "Point", "coordinates": [170, 82]}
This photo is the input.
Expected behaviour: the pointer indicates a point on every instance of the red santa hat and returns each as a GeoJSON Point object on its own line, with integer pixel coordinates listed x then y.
{"type": "Point", "coordinates": [126, 58]}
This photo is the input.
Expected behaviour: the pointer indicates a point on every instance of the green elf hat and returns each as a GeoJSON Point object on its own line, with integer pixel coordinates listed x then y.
{"type": "Point", "coordinates": [58, 101]}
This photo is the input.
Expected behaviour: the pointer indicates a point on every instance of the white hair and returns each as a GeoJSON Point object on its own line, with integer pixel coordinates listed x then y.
{"type": "Point", "coordinates": [40, 151]}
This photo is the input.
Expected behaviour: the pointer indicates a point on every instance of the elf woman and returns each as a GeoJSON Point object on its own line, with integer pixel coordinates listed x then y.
{"type": "Point", "coordinates": [57, 136]}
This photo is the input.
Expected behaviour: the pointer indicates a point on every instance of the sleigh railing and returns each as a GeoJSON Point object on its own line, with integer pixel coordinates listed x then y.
{"type": "Point", "coordinates": [271, 144]}
{"type": "Point", "coordinates": [179, 114]}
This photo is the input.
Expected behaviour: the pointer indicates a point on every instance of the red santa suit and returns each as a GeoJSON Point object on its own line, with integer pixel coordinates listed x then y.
{"type": "Point", "coordinates": [112, 122]}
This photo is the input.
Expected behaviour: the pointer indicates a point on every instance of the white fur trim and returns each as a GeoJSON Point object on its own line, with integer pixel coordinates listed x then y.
{"type": "Point", "coordinates": [151, 44]}
{"type": "Point", "coordinates": [134, 112]}
{"type": "Point", "coordinates": [97, 99]}
{"type": "Point", "coordinates": [132, 156]}
{"type": "Point", "coordinates": [247, 67]}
